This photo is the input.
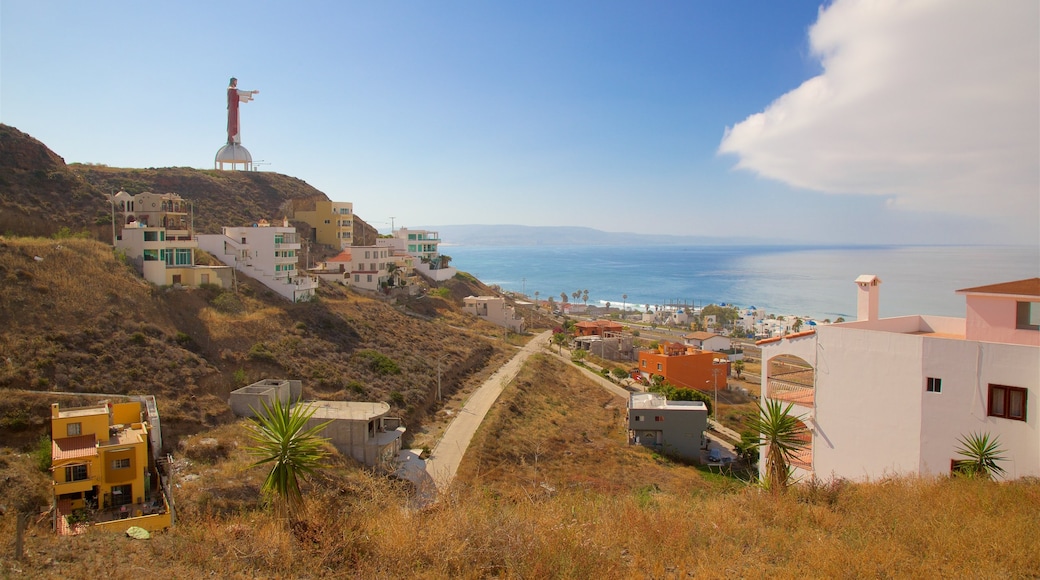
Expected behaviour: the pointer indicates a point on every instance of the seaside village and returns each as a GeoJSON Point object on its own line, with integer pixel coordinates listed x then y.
{"type": "Point", "coordinates": [876, 396]}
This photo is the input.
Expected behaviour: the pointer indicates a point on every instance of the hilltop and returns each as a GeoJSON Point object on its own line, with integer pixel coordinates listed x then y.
{"type": "Point", "coordinates": [77, 319]}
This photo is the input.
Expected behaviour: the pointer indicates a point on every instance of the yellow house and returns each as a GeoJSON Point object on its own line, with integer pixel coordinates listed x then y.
{"type": "Point", "coordinates": [332, 222]}
{"type": "Point", "coordinates": [103, 468]}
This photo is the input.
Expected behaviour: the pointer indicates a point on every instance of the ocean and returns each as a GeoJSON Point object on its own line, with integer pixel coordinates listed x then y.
{"type": "Point", "coordinates": [802, 281]}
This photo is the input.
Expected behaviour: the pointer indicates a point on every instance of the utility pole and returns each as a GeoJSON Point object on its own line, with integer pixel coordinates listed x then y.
{"type": "Point", "coordinates": [524, 290]}
{"type": "Point", "coordinates": [391, 225]}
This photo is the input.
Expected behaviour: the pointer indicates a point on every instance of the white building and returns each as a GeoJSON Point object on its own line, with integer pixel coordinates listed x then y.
{"type": "Point", "coordinates": [154, 230]}
{"type": "Point", "coordinates": [707, 341]}
{"type": "Point", "coordinates": [495, 310]}
{"type": "Point", "coordinates": [424, 245]}
{"type": "Point", "coordinates": [266, 253]}
{"type": "Point", "coordinates": [888, 396]}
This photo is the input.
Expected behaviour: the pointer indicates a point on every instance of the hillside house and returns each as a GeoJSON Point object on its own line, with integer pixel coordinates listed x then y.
{"type": "Point", "coordinates": [103, 459]}
{"type": "Point", "coordinates": [684, 366]}
{"type": "Point", "coordinates": [364, 431]}
{"type": "Point", "coordinates": [495, 310]}
{"type": "Point", "coordinates": [930, 379]}
{"type": "Point", "coordinates": [266, 253]}
{"type": "Point", "coordinates": [424, 246]}
{"type": "Point", "coordinates": [331, 222]}
{"type": "Point", "coordinates": [673, 427]}
{"type": "Point", "coordinates": [155, 233]}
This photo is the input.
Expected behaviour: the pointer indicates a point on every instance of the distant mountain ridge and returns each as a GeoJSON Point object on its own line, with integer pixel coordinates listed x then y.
{"type": "Point", "coordinates": [518, 235]}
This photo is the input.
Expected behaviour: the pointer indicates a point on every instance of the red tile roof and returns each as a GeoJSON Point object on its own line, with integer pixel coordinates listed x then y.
{"type": "Point", "coordinates": [343, 256]}
{"type": "Point", "coordinates": [1027, 287]}
{"type": "Point", "coordinates": [74, 447]}
{"type": "Point", "coordinates": [769, 340]}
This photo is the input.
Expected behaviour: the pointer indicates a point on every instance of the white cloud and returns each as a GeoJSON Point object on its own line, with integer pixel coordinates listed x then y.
{"type": "Point", "coordinates": [934, 103]}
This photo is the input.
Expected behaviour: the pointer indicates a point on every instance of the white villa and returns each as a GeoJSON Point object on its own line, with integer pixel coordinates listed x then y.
{"type": "Point", "coordinates": [495, 310]}
{"type": "Point", "coordinates": [889, 396]}
{"type": "Point", "coordinates": [424, 245]}
{"type": "Point", "coordinates": [156, 234]}
{"type": "Point", "coordinates": [266, 253]}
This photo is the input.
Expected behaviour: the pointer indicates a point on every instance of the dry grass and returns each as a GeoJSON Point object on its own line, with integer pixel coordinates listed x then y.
{"type": "Point", "coordinates": [605, 510]}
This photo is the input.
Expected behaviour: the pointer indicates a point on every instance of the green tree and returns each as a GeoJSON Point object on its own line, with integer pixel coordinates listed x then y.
{"type": "Point", "coordinates": [619, 373]}
{"type": "Point", "coordinates": [747, 449]}
{"type": "Point", "coordinates": [981, 456]}
{"type": "Point", "coordinates": [578, 355]}
{"type": "Point", "coordinates": [783, 436]}
{"type": "Point", "coordinates": [738, 367]}
{"type": "Point", "coordinates": [797, 324]}
{"type": "Point", "coordinates": [559, 339]}
{"type": "Point", "coordinates": [293, 451]}
{"type": "Point", "coordinates": [839, 320]}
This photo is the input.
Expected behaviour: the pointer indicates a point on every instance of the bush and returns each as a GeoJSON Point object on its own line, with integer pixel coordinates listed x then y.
{"type": "Point", "coordinates": [260, 352]}
{"type": "Point", "coordinates": [228, 303]}
{"type": "Point", "coordinates": [379, 363]}
{"type": "Point", "coordinates": [41, 454]}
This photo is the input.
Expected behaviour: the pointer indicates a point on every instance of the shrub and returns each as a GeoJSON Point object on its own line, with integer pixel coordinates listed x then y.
{"type": "Point", "coordinates": [396, 397]}
{"type": "Point", "coordinates": [260, 352]}
{"type": "Point", "coordinates": [138, 338]}
{"type": "Point", "coordinates": [239, 377]}
{"type": "Point", "coordinates": [379, 363]}
{"type": "Point", "coordinates": [228, 303]}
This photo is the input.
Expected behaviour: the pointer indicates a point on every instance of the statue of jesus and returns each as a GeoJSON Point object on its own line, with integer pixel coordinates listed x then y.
{"type": "Point", "coordinates": [234, 97]}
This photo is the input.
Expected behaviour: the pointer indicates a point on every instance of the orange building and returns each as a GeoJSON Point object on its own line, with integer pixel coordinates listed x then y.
{"type": "Point", "coordinates": [597, 328]}
{"type": "Point", "coordinates": [684, 366]}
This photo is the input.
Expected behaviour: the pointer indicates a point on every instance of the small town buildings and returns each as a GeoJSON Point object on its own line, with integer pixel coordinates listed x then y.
{"type": "Point", "coordinates": [155, 233]}
{"type": "Point", "coordinates": [495, 310]}
{"type": "Point", "coordinates": [707, 341]}
{"type": "Point", "coordinates": [331, 222]}
{"type": "Point", "coordinates": [364, 431]}
{"type": "Point", "coordinates": [103, 460]}
{"type": "Point", "coordinates": [266, 253]}
{"type": "Point", "coordinates": [673, 427]}
{"type": "Point", "coordinates": [888, 396]}
{"type": "Point", "coordinates": [684, 366]}
{"type": "Point", "coordinates": [423, 245]}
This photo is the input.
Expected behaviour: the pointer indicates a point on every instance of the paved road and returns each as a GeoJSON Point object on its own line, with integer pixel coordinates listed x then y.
{"type": "Point", "coordinates": [447, 455]}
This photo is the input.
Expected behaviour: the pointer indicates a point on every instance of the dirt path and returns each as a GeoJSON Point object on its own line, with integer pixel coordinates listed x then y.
{"type": "Point", "coordinates": [447, 455]}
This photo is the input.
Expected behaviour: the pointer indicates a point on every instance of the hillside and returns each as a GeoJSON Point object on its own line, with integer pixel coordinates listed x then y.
{"type": "Point", "coordinates": [40, 194]}
{"type": "Point", "coordinates": [78, 320]}
{"type": "Point", "coordinates": [550, 489]}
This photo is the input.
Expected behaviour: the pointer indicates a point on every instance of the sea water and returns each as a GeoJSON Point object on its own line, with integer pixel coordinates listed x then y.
{"type": "Point", "coordinates": [803, 281]}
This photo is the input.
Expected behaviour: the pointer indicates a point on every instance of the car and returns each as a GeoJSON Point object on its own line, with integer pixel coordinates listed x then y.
{"type": "Point", "coordinates": [715, 455]}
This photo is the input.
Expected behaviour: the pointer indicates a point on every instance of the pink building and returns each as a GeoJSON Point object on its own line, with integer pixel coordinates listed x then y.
{"type": "Point", "coordinates": [888, 396]}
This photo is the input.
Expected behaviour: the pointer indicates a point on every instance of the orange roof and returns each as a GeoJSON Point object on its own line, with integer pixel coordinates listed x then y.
{"type": "Point", "coordinates": [1027, 287]}
{"type": "Point", "coordinates": [74, 447]}
{"type": "Point", "coordinates": [769, 340]}
{"type": "Point", "coordinates": [700, 335]}
{"type": "Point", "coordinates": [343, 256]}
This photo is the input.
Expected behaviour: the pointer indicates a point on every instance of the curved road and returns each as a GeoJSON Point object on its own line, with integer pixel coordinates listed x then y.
{"type": "Point", "coordinates": [447, 455]}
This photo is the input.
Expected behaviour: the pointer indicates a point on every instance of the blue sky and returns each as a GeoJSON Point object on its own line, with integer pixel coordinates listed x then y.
{"type": "Point", "coordinates": [854, 122]}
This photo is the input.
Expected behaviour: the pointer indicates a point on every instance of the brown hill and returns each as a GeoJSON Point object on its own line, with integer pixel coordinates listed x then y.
{"type": "Point", "coordinates": [40, 194]}
{"type": "Point", "coordinates": [76, 319]}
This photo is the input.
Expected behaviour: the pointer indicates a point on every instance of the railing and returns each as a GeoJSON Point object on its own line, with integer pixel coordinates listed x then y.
{"type": "Point", "coordinates": [791, 392]}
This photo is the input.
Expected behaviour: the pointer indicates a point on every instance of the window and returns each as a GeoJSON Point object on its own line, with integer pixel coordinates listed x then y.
{"type": "Point", "coordinates": [73, 429]}
{"type": "Point", "coordinates": [1028, 316]}
{"type": "Point", "coordinates": [121, 463]}
{"type": "Point", "coordinates": [658, 418]}
{"type": "Point", "coordinates": [75, 473]}
{"type": "Point", "coordinates": [644, 363]}
{"type": "Point", "coordinates": [658, 366]}
{"type": "Point", "coordinates": [1007, 402]}
{"type": "Point", "coordinates": [639, 418]}
{"type": "Point", "coordinates": [934, 385]}
{"type": "Point", "coordinates": [370, 277]}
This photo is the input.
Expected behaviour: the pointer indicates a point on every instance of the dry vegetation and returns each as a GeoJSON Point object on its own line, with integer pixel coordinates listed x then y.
{"type": "Point", "coordinates": [586, 506]}
{"type": "Point", "coordinates": [78, 320]}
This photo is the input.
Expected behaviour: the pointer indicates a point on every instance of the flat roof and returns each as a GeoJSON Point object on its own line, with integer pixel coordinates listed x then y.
{"type": "Point", "coordinates": [349, 410]}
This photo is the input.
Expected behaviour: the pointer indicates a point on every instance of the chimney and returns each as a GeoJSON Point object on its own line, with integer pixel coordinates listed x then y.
{"type": "Point", "coordinates": [867, 297]}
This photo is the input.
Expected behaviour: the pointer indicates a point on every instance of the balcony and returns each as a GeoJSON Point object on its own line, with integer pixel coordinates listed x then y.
{"type": "Point", "coordinates": [789, 392]}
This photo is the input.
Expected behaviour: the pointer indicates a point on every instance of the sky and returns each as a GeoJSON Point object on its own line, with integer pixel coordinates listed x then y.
{"type": "Point", "coordinates": [851, 122]}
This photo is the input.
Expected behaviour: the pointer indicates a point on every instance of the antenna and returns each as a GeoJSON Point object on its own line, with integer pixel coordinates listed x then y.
{"type": "Point", "coordinates": [261, 162]}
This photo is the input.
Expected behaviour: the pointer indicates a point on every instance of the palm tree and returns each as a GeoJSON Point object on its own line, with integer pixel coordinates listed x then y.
{"type": "Point", "coordinates": [982, 455]}
{"type": "Point", "coordinates": [783, 436]}
{"type": "Point", "coordinates": [576, 295]}
{"type": "Point", "coordinates": [294, 451]}
{"type": "Point", "coordinates": [585, 296]}
{"type": "Point", "coordinates": [624, 304]}
{"type": "Point", "coordinates": [738, 367]}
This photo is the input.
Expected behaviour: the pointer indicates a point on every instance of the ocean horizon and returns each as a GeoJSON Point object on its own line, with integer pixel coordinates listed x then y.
{"type": "Point", "coordinates": [812, 281]}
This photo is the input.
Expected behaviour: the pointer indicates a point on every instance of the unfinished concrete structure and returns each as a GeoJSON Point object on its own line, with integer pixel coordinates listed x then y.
{"type": "Point", "coordinates": [244, 401]}
{"type": "Point", "coordinates": [363, 431]}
